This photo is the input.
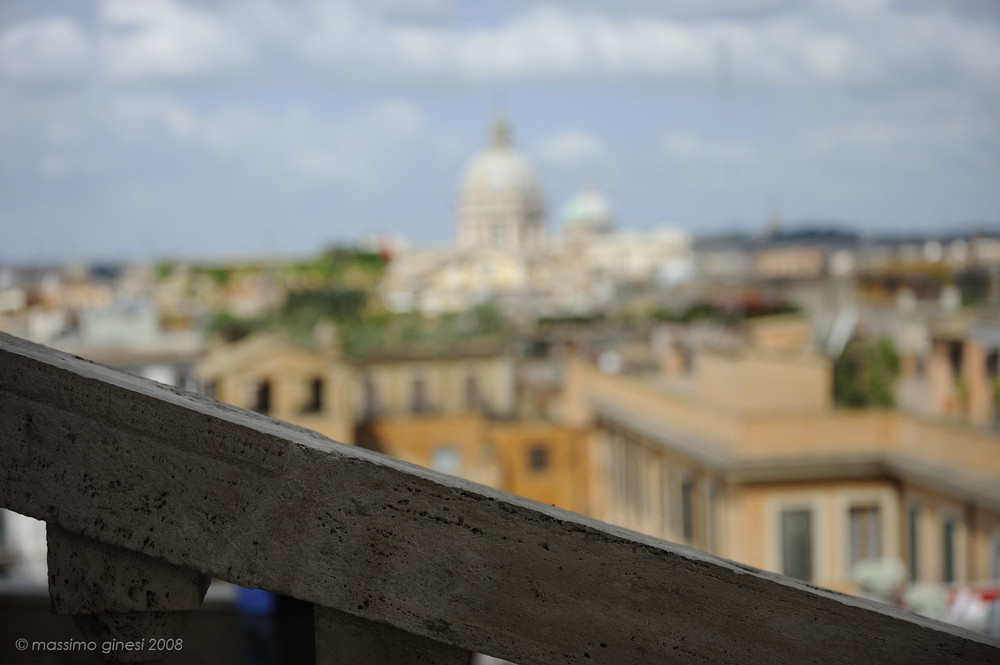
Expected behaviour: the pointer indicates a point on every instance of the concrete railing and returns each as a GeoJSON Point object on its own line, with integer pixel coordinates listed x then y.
{"type": "Point", "coordinates": [148, 490]}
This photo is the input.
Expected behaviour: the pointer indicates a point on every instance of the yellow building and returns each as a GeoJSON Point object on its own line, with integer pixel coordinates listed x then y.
{"type": "Point", "coordinates": [535, 459]}
{"type": "Point", "coordinates": [457, 413]}
{"type": "Point", "coordinates": [472, 375]}
{"type": "Point", "coordinates": [747, 458]}
{"type": "Point", "coordinates": [738, 451]}
{"type": "Point", "coordinates": [273, 376]}
{"type": "Point", "coordinates": [963, 368]}
{"type": "Point", "coordinates": [793, 262]}
{"type": "Point", "coordinates": [451, 412]}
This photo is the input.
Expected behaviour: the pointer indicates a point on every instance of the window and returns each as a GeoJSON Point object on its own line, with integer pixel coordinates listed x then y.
{"type": "Point", "coordinates": [613, 465]}
{"type": "Point", "coordinates": [447, 459]}
{"type": "Point", "coordinates": [371, 404]}
{"type": "Point", "coordinates": [471, 390]}
{"type": "Point", "coordinates": [618, 460]}
{"type": "Point", "coordinates": [949, 532]}
{"type": "Point", "coordinates": [687, 508]}
{"type": "Point", "coordinates": [913, 544]}
{"type": "Point", "coordinates": [711, 528]}
{"type": "Point", "coordinates": [865, 536]}
{"type": "Point", "coordinates": [666, 504]}
{"type": "Point", "coordinates": [610, 470]}
{"type": "Point", "coordinates": [538, 458]}
{"type": "Point", "coordinates": [315, 404]}
{"type": "Point", "coordinates": [644, 464]}
{"type": "Point", "coordinates": [955, 353]}
{"type": "Point", "coordinates": [797, 543]}
{"type": "Point", "coordinates": [633, 474]}
{"type": "Point", "coordinates": [688, 360]}
{"type": "Point", "coordinates": [675, 503]}
{"type": "Point", "coordinates": [262, 397]}
{"type": "Point", "coordinates": [418, 402]}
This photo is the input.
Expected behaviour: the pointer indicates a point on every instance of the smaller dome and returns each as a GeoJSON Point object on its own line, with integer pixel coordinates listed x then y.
{"type": "Point", "coordinates": [589, 211]}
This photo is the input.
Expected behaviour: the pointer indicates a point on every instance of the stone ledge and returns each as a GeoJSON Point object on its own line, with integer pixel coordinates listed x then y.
{"type": "Point", "coordinates": [135, 464]}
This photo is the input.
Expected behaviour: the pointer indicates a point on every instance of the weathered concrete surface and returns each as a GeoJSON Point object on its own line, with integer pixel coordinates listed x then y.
{"type": "Point", "coordinates": [261, 503]}
{"type": "Point", "coordinates": [87, 576]}
{"type": "Point", "coordinates": [121, 597]}
{"type": "Point", "coordinates": [344, 639]}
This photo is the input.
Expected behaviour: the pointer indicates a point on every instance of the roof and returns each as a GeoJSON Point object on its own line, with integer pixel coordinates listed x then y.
{"type": "Point", "coordinates": [250, 352]}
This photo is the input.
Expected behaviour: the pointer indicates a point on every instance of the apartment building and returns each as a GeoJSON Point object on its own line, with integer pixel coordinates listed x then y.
{"type": "Point", "coordinates": [749, 459]}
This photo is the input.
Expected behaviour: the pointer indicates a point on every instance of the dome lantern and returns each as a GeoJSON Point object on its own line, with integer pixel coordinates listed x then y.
{"type": "Point", "coordinates": [500, 133]}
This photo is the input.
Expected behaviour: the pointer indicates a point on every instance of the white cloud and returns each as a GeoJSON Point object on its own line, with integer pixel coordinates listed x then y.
{"type": "Point", "coordinates": [361, 150]}
{"type": "Point", "coordinates": [919, 126]}
{"type": "Point", "coordinates": [866, 135]}
{"type": "Point", "coordinates": [684, 146]}
{"type": "Point", "coordinates": [63, 131]}
{"type": "Point", "coordinates": [692, 9]}
{"type": "Point", "coordinates": [395, 119]}
{"type": "Point", "coordinates": [571, 148]}
{"type": "Point", "coordinates": [49, 50]}
{"type": "Point", "coordinates": [167, 40]}
{"type": "Point", "coordinates": [890, 47]}
{"type": "Point", "coordinates": [320, 164]}
{"type": "Point", "coordinates": [134, 118]}
{"type": "Point", "coordinates": [53, 166]}
{"type": "Point", "coordinates": [355, 150]}
{"type": "Point", "coordinates": [772, 42]}
{"type": "Point", "coordinates": [413, 9]}
{"type": "Point", "coordinates": [542, 43]}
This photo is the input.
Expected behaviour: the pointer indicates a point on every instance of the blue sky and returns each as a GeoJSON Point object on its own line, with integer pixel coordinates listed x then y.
{"type": "Point", "coordinates": [144, 128]}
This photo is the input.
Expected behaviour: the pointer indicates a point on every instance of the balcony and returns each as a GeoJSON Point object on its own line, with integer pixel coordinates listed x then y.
{"type": "Point", "coordinates": [149, 491]}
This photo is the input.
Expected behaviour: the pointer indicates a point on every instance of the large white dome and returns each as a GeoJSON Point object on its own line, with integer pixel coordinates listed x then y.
{"type": "Point", "coordinates": [500, 200]}
{"type": "Point", "coordinates": [500, 167]}
{"type": "Point", "coordinates": [500, 170]}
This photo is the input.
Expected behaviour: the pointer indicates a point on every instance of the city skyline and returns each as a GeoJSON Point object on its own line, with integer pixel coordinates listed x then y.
{"type": "Point", "coordinates": [171, 128]}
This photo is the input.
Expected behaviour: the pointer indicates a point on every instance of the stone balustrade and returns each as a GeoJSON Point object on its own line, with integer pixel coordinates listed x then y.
{"type": "Point", "coordinates": [147, 491]}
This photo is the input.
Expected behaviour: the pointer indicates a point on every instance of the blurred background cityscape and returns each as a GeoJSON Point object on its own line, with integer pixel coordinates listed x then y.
{"type": "Point", "coordinates": [727, 276]}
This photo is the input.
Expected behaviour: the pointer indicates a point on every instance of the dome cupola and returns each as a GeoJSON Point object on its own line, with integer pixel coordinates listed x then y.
{"type": "Point", "coordinates": [587, 211]}
{"type": "Point", "coordinates": [500, 201]}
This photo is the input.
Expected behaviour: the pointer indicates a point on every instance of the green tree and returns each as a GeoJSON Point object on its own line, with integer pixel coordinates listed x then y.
{"type": "Point", "coordinates": [231, 328]}
{"type": "Point", "coordinates": [336, 303]}
{"type": "Point", "coordinates": [865, 374]}
{"type": "Point", "coordinates": [217, 274]}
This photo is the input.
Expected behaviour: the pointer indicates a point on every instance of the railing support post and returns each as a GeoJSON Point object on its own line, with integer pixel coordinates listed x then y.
{"type": "Point", "coordinates": [344, 639]}
{"type": "Point", "coordinates": [132, 607]}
